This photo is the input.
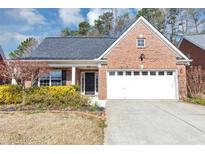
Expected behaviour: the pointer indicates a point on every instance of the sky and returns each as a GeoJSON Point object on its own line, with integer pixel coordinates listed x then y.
{"type": "Point", "coordinates": [18, 24]}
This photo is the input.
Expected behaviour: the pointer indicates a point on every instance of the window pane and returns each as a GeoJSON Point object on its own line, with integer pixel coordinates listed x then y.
{"type": "Point", "coordinates": [120, 73]}
{"type": "Point", "coordinates": [111, 73]}
{"type": "Point", "coordinates": [161, 73]}
{"type": "Point", "coordinates": [140, 42]}
{"type": "Point", "coordinates": [145, 73]}
{"type": "Point", "coordinates": [56, 75]}
{"type": "Point", "coordinates": [44, 81]}
{"type": "Point", "coordinates": [152, 73]}
{"type": "Point", "coordinates": [136, 73]}
{"type": "Point", "coordinates": [64, 77]}
{"type": "Point", "coordinates": [128, 73]}
{"type": "Point", "coordinates": [56, 78]}
{"type": "Point", "coordinates": [169, 73]}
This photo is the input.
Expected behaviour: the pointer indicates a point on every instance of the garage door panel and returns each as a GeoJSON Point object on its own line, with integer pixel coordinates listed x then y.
{"type": "Point", "coordinates": [141, 86]}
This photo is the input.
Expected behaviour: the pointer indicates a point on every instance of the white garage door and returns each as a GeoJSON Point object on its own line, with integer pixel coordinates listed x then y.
{"type": "Point", "coordinates": [141, 85]}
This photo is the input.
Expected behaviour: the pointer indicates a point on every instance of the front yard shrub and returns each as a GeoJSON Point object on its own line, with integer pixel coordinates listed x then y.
{"type": "Point", "coordinates": [76, 87]}
{"type": "Point", "coordinates": [59, 97]}
{"type": "Point", "coordinates": [196, 101]}
{"type": "Point", "coordinates": [48, 97]}
{"type": "Point", "coordinates": [10, 94]}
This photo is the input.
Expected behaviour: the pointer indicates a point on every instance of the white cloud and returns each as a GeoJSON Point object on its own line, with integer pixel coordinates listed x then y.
{"type": "Point", "coordinates": [93, 14]}
{"type": "Point", "coordinates": [31, 16]}
{"type": "Point", "coordinates": [71, 16]}
{"type": "Point", "coordinates": [11, 36]}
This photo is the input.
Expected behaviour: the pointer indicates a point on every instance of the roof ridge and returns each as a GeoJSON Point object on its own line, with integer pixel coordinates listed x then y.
{"type": "Point", "coordinates": [193, 34]}
{"type": "Point", "coordinates": [65, 37]}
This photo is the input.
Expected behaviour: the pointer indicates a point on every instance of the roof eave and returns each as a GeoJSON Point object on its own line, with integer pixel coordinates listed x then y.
{"type": "Point", "coordinates": [184, 62]}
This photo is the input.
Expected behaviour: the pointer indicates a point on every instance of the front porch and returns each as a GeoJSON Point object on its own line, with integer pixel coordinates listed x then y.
{"type": "Point", "coordinates": [86, 78]}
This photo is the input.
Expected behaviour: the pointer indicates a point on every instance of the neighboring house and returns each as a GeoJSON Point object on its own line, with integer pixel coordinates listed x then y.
{"type": "Point", "coordinates": [140, 64]}
{"type": "Point", "coordinates": [2, 57]}
{"type": "Point", "coordinates": [193, 46]}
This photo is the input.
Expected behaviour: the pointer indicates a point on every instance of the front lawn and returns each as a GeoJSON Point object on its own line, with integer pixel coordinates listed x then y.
{"type": "Point", "coordinates": [49, 128]}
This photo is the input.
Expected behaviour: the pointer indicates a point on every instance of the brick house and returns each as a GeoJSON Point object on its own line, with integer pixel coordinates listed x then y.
{"type": "Point", "coordinates": [194, 47]}
{"type": "Point", "coordinates": [140, 64]}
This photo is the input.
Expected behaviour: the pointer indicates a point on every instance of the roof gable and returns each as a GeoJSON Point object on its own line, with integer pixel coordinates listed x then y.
{"type": "Point", "coordinates": [155, 31]}
{"type": "Point", "coordinates": [198, 40]}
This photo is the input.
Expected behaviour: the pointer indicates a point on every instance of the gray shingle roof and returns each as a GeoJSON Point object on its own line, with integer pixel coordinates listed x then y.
{"type": "Point", "coordinates": [198, 40]}
{"type": "Point", "coordinates": [71, 48]}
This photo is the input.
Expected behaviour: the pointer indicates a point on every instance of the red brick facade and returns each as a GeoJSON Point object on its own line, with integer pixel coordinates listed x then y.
{"type": "Point", "coordinates": [181, 69]}
{"type": "Point", "coordinates": [196, 54]}
{"type": "Point", "coordinates": [125, 55]}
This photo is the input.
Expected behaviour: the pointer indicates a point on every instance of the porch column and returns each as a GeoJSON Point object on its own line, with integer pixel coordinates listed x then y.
{"type": "Point", "coordinates": [73, 75]}
{"type": "Point", "coordinates": [13, 81]}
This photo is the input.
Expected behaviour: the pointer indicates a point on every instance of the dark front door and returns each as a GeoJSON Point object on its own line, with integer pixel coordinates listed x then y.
{"type": "Point", "coordinates": [89, 83]}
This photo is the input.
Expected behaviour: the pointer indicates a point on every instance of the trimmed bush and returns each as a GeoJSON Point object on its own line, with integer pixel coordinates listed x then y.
{"type": "Point", "coordinates": [10, 94]}
{"type": "Point", "coordinates": [76, 87]}
{"type": "Point", "coordinates": [56, 97]}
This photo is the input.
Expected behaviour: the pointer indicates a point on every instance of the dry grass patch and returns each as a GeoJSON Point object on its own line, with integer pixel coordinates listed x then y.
{"type": "Point", "coordinates": [49, 128]}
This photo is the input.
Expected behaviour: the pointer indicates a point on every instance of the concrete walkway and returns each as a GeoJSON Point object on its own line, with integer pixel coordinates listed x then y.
{"type": "Point", "coordinates": [154, 122]}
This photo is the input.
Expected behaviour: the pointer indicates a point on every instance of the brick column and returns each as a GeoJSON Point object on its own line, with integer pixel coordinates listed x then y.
{"type": "Point", "coordinates": [102, 88]}
{"type": "Point", "coordinates": [182, 81]}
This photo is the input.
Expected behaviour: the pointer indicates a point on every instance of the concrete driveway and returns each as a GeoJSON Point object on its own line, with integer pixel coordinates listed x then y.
{"type": "Point", "coordinates": [154, 122]}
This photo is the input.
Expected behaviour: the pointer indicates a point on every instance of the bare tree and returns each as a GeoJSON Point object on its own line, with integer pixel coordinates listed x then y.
{"type": "Point", "coordinates": [196, 81]}
{"type": "Point", "coordinates": [23, 71]}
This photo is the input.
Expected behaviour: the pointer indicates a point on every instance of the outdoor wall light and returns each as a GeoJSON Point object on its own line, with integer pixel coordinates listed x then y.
{"type": "Point", "coordinates": [142, 57]}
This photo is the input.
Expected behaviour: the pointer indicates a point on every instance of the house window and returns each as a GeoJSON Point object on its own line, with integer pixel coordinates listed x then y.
{"type": "Point", "coordinates": [161, 73]}
{"type": "Point", "coordinates": [141, 43]}
{"type": "Point", "coordinates": [111, 73]}
{"type": "Point", "coordinates": [64, 77]}
{"type": "Point", "coordinates": [136, 73]}
{"type": "Point", "coordinates": [169, 73]}
{"type": "Point", "coordinates": [128, 73]}
{"type": "Point", "coordinates": [120, 73]}
{"type": "Point", "coordinates": [144, 73]}
{"type": "Point", "coordinates": [55, 78]}
{"type": "Point", "coordinates": [45, 81]}
{"type": "Point", "coordinates": [152, 73]}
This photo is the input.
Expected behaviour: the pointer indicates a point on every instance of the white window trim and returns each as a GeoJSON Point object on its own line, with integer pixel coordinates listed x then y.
{"type": "Point", "coordinates": [83, 75]}
{"type": "Point", "coordinates": [138, 44]}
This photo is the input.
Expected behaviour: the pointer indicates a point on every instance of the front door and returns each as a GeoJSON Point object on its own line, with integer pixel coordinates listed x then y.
{"type": "Point", "coordinates": [90, 83]}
